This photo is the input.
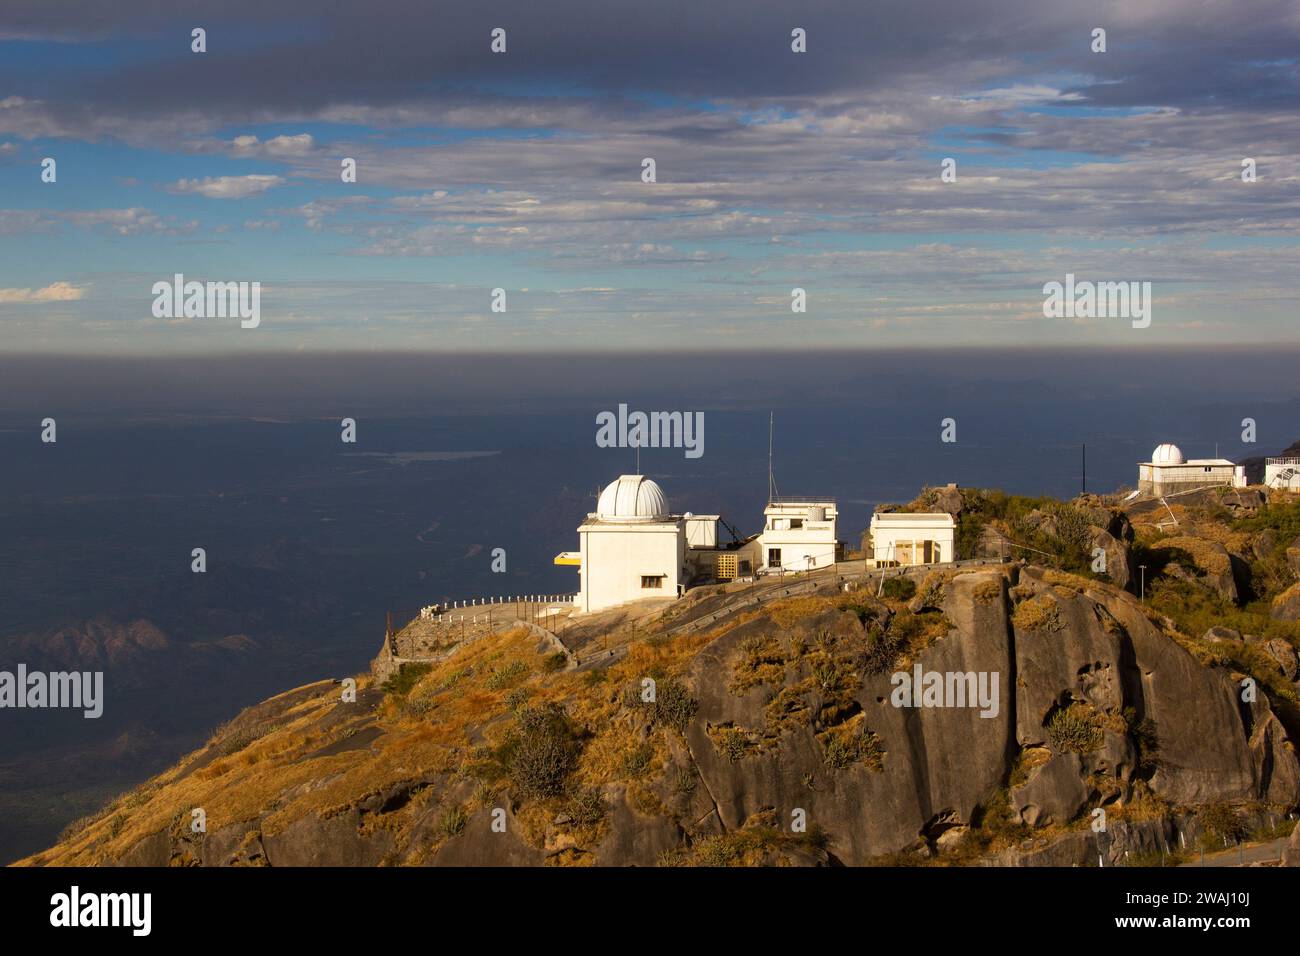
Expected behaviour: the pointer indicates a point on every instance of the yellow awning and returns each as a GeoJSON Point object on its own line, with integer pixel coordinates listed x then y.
{"type": "Point", "coordinates": [573, 558]}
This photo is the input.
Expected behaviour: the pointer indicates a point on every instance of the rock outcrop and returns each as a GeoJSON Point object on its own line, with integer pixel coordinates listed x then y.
{"type": "Point", "coordinates": [790, 741]}
{"type": "Point", "coordinates": [1286, 606]}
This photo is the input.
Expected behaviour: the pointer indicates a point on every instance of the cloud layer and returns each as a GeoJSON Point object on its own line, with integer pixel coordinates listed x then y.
{"type": "Point", "coordinates": [775, 169]}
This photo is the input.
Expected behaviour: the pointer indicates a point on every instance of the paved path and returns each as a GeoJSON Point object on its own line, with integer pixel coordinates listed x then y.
{"type": "Point", "coordinates": [1245, 855]}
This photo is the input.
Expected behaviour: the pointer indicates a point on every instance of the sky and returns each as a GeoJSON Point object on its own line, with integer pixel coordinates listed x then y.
{"type": "Point", "coordinates": [522, 170]}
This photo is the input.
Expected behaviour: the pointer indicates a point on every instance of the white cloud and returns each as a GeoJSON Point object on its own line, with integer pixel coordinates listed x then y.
{"type": "Point", "coordinates": [54, 292]}
{"type": "Point", "coordinates": [228, 187]}
{"type": "Point", "coordinates": [248, 145]}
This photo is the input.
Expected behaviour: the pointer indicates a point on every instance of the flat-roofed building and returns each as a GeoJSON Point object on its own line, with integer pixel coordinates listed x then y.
{"type": "Point", "coordinates": [910, 538]}
{"type": "Point", "coordinates": [798, 535]}
{"type": "Point", "coordinates": [1168, 472]}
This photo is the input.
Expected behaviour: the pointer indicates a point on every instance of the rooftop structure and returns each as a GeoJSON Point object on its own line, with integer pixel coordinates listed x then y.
{"type": "Point", "coordinates": [631, 498]}
{"type": "Point", "coordinates": [1168, 472]}
{"type": "Point", "coordinates": [1282, 473]}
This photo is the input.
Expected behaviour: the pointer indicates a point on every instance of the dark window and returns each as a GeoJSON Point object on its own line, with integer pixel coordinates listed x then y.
{"type": "Point", "coordinates": [796, 523]}
{"type": "Point", "coordinates": [652, 580]}
{"type": "Point", "coordinates": [773, 557]}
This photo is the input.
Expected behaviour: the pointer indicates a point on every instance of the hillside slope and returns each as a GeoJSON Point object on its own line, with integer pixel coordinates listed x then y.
{"type": "Point", "coordinates": [782, 715]}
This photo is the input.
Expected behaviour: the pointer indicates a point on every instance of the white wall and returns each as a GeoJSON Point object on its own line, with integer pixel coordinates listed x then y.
{"type": "Point", "coordinates": [614, 557]}
{"type": "Point", "coordinates": [1166, 479]}
{"type": "Point", "coordinates": [1273, 477]}
{"type": "Point", "coordinates": [702, 531]}
{"type": "Point", "coordinates": [801, 550]}
{"type": "Point", "coordinates": [885, 540]}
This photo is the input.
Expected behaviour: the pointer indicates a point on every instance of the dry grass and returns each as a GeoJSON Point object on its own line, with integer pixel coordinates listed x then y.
{"type": "Point", "coordinates": [1040, 613]}
{"type": "Point", "coordinates": [1208, 559]}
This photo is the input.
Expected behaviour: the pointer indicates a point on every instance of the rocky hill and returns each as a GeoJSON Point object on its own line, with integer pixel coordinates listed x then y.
{"type": "Point", "coordinates": [777, 735]}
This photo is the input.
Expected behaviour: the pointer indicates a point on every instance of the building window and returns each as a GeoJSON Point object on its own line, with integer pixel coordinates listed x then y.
{"type": "Point", "coordinates": [773, 557]}
{"type": "Point", "coordinates": [796, 524]}
{"type": "Point", "coordinates": [652, 580]}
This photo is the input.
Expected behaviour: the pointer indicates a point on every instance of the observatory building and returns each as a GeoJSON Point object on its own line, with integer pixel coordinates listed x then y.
{"type": "Point", "coordinates": [1168, 472]}
{"type": "Point", "coordinates": [632, 547]}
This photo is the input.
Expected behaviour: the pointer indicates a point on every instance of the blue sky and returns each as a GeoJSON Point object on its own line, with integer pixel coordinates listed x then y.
{"type": "Point", "coordinates": [521, 170]}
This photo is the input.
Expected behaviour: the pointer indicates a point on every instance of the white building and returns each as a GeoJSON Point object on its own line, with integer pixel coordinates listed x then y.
{"type": "Point", "coordinates": [902, 538]}
{"type": "Point", "coordinates": [798, 535]}
{"type": "Point", "coordinates": [1168, 472]}
{"type": "Point", "coordinates": [1283, 473]}
{"type": "Point", "coordinates": [633, 548]}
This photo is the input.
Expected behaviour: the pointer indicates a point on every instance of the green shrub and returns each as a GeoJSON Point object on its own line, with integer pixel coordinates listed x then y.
{"type": "Point", "coordinates": [540, 752]}
{"type": "Point", "coordinates": [453, 820]}
{"type": "Point", "coordinates": [732, 743]}
{"type": "Point", "coordinates": [407, 676]}
{"type": "Point", "coordinates": [554, 662]}
{"type": "Point", "coordinates": [637, 760]}
{"type": "Point", "coordinates": [673, 706]}
{"type": "Point", "coordinates": [420, 705]}
{"type": "Point", "coordinates": [517, 698]}
{"type": "Point", "coordinates": [1143, 733]}
{"type": "Point", "coordinates": [686, 781]}
{"type": "Point", "coordinates": [843, 749]}
{"type": "Point", "coordinates": [1220, 824]}
{"type": "Point", "coordinates": [586, 807]}
{"type": "Point", "coordinates": [899, 589]}
{"type": "Point", "coordinates": [507, 676]}
{"type": "Point", "coordinates": [718, 851]}
{"type": "Point", "coordinates": [1075, 729]}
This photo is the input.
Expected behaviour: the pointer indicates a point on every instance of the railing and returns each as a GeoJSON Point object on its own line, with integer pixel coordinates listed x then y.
{"type": "Point", "coordinates": [436, 612]}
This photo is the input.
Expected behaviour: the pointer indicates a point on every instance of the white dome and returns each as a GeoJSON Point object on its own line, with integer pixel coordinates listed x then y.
{"type": "Point", "coordinates": [1168, 454]}
{"type": "Point", "coordinates": [632, 496]}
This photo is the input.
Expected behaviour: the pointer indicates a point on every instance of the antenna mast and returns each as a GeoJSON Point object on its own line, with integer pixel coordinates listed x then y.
{"type": "Point", "coordinates": [771, 479]}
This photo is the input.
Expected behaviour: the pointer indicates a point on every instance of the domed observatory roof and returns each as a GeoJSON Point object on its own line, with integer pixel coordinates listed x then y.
{"type": "Point", "coordinates": [631, 498]}
{"type": "Point", "coordinates": [1168, 454]}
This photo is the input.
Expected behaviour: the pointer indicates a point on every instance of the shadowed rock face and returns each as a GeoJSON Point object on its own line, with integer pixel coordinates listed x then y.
{"type": "Point", "coordinates": [796, 719]}
{"type": "Point", "coordinates": [1093, 647]}
{"type": "Point", "coordinates": [939, 763]}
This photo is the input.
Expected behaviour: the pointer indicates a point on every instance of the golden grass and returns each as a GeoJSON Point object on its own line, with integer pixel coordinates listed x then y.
{"type": "Point", "coordinates": [1207, 558]}
{"type": "Point", "coordinates": [1040, 613]}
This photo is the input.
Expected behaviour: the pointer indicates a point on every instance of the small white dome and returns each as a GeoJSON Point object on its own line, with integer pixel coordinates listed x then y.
{"type": "Point", "coordinates": [1168, 454]}
{"type": "Point", "coordinates": [630, 497]}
